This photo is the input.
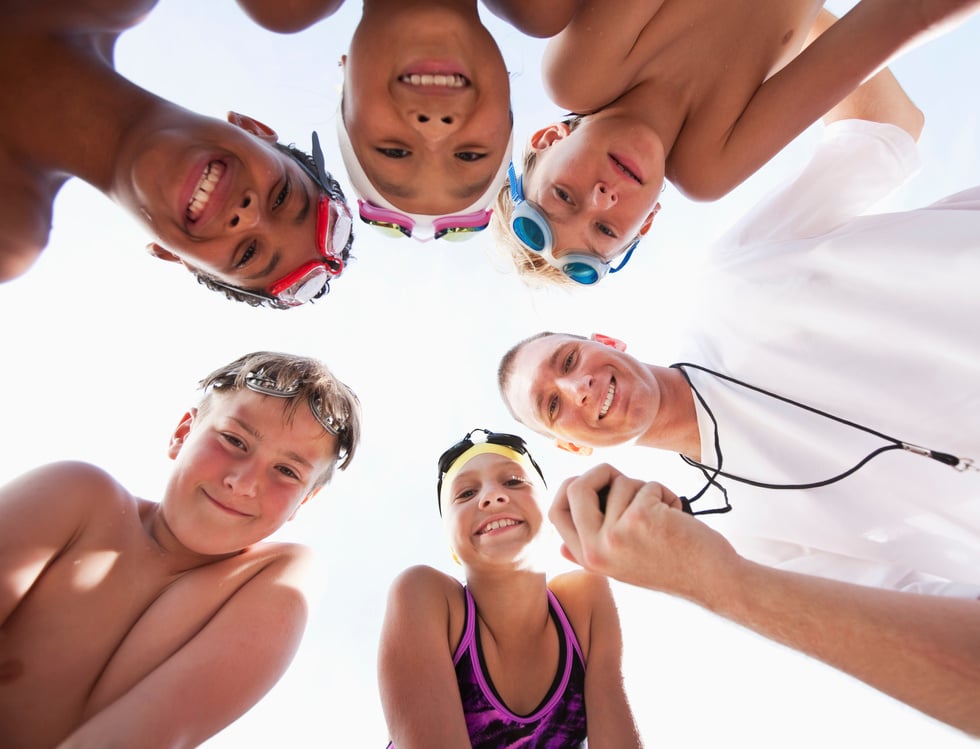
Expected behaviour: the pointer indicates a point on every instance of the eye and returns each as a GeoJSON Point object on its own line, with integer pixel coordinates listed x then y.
{"type": "Point", "coordinates": [464, 494]}
{"type": "Point", "coordinates": [515, 482]}
{"type": "Point", "coordinates": [288, 472]}
{"type": "Point", "coordinates": [247, 255]}
{"type": "Point", "coordinates": [552, 407]}
{"type": "Point", "coordinates": [395, 153]}
{"type": "Point", "coordinates": [606, 230]}
{"type": "Point", "coordinates": [283, 194]}
{"type": "Point", "coordinates": [232, 440]}
{"type": "Point", "coordinates": [470, 156]}
{"type": "Point", "coordinates": [562, 195]}
{"type": "Point", "coordinates": [568, 363]}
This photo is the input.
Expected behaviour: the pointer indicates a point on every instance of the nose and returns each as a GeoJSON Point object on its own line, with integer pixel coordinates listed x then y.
{"type": "Point", "coordinates": [245, 214]}
{"type": "Point", "coordinates": [242, 479]}
{"type": "Point", "coordinates": [494, 496]}
{"type": "Point", "coordinates": [603, 196]}
{"type": "Point", "coordinates": [435, 123]}
{"type": "Point", "coordinates": [576, 388]}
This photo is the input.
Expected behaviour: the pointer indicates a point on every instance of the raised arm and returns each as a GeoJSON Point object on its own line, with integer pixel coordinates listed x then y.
{"type": "Point", "coordinates": [289, 16]}
{"type": "Point", "coordinates": [589, 603]}
{"type": "Point", "coordinates": [922, 650]}
{"type": "Point", "coordinates": [416, 677]}
{"type": "Point", "coordinates": [218, 673]}
{"type": "Point", "coordinates": [809, 87]}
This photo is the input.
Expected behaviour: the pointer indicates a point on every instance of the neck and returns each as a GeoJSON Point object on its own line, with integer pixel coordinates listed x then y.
{"type": "Point", "coordinates": [675, 427]}
{"type": "Point", "coordinates": [509, 601]}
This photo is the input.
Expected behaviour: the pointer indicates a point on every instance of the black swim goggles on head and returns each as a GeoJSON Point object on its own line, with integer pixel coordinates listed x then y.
{"type": "Point", "coordinates": [453, 454]}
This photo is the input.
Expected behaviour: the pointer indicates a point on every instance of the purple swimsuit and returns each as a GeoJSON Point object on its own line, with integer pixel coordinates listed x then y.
{"type": "Point", "coordinates": [558, 722]}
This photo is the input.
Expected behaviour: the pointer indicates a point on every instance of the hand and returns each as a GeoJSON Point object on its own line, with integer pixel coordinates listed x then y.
{"type": "Point", "coordinates": [643, 537]}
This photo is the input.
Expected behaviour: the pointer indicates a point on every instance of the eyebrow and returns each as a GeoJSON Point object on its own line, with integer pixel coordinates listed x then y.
{"type": "Point", "coordinates": [258, 435]}
{"type": "Point", "coordinates": [268, 269]}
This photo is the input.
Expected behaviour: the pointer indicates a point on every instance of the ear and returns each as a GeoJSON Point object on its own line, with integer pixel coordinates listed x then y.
{"type": "Point", "coordinates": [250, 125]}
{"type": "Point", "coordinates": [180, 433]}
{"type": "Point", "coordinates": [163, 254]}
{"type": "Point", "coordinates": [606, 340]}
{"type": "Point", "coordinates": [548, 136]}
{"type": "Point", "coordinates": [649, 220]}
{"type": "Point", "coordinates": [571, 447]}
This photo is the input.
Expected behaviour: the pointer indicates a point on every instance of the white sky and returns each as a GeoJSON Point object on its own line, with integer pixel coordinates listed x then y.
{"type": "Point", "coordinates": [103, 347]}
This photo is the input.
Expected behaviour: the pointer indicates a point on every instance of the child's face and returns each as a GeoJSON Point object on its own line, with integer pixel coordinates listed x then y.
{"type": "Point", "coordinates": [427, 107]}
{"type": "Point", "coordinates": [598, 184]}
{"type": "Point", "coordinates": [491, 511]}
{"type": "Point", "coordinates": [219, 197]}
{"type": "Point", "coordinates": [241, 470]}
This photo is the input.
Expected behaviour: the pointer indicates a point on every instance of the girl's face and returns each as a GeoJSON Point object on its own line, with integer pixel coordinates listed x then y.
{"type": "Point", "coordinates": [427, 106]}
{"type": "Point", "coordinates": [491, 511]}
{"type": "Point", "coordinates": [597, 184]}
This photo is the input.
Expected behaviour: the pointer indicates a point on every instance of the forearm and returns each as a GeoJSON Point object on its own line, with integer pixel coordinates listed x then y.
{"type": "Point", "coordinates": [922, 650]}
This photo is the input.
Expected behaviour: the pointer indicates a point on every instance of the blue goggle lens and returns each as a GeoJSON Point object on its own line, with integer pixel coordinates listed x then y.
{"type": "Point", "coordinates": [529, 233]}
{"type": "Point", "coordinates": [581, 273]}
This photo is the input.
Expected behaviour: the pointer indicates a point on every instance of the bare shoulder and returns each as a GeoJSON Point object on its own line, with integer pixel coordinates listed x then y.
{"type": "Point", "coordinates": [80, 17]}
{"type": "Point", "coordinates": [290, 17]}
{"type": "Point", "coordinates": [423, 583]}
{"type": "Point", "coordinates": [72, 484]}
{"type": "Point", "coordinates": [594, 59]}
{"type": "Point", "coordinates": [539, 19]}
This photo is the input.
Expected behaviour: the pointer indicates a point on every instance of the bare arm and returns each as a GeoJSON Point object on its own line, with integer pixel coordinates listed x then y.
{"type": "Point", "coordinates": [216, 676]}
{"type": "Point", "coordinates": [540, 19]}
{"type": "Point", "coordinates": [289, 16]}
{"type": "Point", "coordinates": [588, 598]}
{"type": "Point", "coordinates": [923, 650]}
{"type": "Point", "coordinates": [416, 677]}
{"type": "Point", "coordinates": [40, 513]}
{"type": "Point", "coordinates": [879, 99]}
{"type": "Point", "coordinates": [807, 88]}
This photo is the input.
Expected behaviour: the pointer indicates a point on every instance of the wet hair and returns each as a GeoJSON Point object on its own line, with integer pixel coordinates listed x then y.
{"type": "Point", "coordinates": [505, 370]}
{"type": "Point", "coordinates": [257, 297]}
{"type": "Point", "coordinates": [307, 381]}
{"type": "Point", "coordinates": [532, 268]}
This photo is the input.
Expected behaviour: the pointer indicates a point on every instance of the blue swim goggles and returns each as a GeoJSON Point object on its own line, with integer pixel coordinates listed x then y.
{"type": "Point", "coordinates": [534, 232]}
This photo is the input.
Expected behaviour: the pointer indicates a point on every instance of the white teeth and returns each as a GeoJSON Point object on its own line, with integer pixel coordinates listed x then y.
{"type": "Point", "coordinates": [609, 399]}
{"type": "Point", "coordinates": [202, 193]}
{"type": "Point", "coordinates": [494, 524]}
{"type": "Point", "coordinates": [450, 80]}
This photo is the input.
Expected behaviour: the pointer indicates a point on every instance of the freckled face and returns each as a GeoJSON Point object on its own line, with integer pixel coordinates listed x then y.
{"type": "Point", "coordinates": [582, 391]}
{"type": "Point", "coordinates": [241, 471]}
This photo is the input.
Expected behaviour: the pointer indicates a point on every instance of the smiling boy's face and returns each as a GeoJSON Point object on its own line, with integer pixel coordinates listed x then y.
{"type": "Point", "coordinates": [242, 469]}
{"type": "Point", "coordinates": [427, 107]}
{"type": "Point", "coordinates": [221, 198]}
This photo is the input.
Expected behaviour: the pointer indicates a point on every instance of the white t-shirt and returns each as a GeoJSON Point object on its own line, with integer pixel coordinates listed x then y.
{"type": "Point", "coordinates": [875, 319]}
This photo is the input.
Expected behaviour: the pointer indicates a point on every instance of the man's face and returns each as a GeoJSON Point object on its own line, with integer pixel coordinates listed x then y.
{"type": "Point", "coordinates": [427, 107]}
{"type": "Point", "coordinates": [221, 198]}
{"type": "Point", "coordinates": [582, 391]}
{"type": "Point", "coordinates": [241, 470]}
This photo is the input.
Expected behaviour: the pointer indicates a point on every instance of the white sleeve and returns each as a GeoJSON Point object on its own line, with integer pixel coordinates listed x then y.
{"type": "Point", "coordinates": [875, 574]}
{"type": "Point", "coordinates": [856, 164]}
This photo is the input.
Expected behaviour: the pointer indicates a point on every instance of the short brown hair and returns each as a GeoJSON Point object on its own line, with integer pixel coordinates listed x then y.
{"type": "Point", "coordinates": [307, 380]}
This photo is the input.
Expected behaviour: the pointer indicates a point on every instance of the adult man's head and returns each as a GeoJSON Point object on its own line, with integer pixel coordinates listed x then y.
{"type": "Point", "coordinates": [586, 391]}
{"type": "Point", "coordinates": [260, 221]}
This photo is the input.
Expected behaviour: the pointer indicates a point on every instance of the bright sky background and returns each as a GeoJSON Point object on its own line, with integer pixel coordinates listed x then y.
{"type": "Point", "coordinates": [103, 347]}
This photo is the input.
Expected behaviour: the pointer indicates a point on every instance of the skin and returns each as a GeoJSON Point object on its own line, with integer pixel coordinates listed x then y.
{"type": "Point", "coordinates": [683, 96]}
{"type": "Point", "coordinates": [68, 113]}
{"type": "Point", "coordinates": [425, 615]}
{"type": "Point", "coordinates": [922, 650]}
{"type": "Point", "coordinates": [560, 385]}
{"type": "Point", "coordinates": [162, 595]}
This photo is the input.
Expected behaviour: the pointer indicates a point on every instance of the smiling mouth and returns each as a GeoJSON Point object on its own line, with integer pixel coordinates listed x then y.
{"type": "Point", "coordinates": [609, 398]}
{"type": "Point", "coordinates": [440, 80]}
{"type": "Point", "coordinates": [497, 524]}
{"type": "Point", "coordinates": [210, 178]}
{"type": "Point", "coordinates": [626, 170]}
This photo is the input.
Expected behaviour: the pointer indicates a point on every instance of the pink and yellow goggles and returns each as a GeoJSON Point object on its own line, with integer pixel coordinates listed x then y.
{"type": "Point", "coordinates": [454, 228]}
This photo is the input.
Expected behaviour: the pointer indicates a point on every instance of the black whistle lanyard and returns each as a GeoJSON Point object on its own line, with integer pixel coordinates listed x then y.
{"type": "Point", "coordinates": [712, 474]}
